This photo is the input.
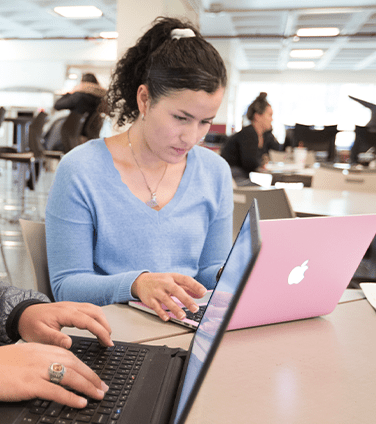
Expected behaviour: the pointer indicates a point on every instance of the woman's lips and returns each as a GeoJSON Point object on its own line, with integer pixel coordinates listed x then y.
{"type": "Point", "coordinates": [179, 151]}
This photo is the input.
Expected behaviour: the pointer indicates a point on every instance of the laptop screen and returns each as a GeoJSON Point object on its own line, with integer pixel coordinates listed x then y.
{"type": "Point", "coordinates": [208, 334]}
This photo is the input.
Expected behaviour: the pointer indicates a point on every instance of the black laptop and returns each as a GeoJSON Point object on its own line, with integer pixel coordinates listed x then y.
{"type": "Point", "coordinates": [153, 384]}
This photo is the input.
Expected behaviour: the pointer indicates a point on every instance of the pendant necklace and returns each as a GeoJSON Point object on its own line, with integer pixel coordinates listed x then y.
{"type": "Point", "coordinates": [153, 202]}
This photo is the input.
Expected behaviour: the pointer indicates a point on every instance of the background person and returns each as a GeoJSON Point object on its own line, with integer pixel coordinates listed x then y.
{"type": "Point", "coordinates": [24, 367]}
{"type": "Point", "coordinates": [245, 150]}
{"type": "Point", "coordinates": [86, 97]}
{"type": "Point", "coordinates": [147, 214]}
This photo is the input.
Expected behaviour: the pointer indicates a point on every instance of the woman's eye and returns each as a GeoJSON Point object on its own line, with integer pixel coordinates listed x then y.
{"type": "Point", "coordinates": [180, 118]}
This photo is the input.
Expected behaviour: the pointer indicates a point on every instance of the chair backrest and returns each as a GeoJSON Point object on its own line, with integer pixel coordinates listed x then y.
{"type": "Point", "coordinates": [316, 139]}
{"type": "Point", "coordinates": [332, 178]}
{"type": "Point", "coordinates": [364, 140]}
{"type": "Point", "coordinates": [35, 134]}
{"type": "Point", "coordinates": [2, 115]}
{"type": "Point", "coordinates": [34, 236]}
{"type": "Point", "coordinates": [273, 204]}
{"type": "Point", "coordinates": [71, 130]}
{"type": "Point", "coordinates": [93, 125]}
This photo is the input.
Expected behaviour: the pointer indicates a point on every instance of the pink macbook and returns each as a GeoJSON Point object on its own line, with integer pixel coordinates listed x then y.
{"type": "Point", "coordinates": [303, 269]}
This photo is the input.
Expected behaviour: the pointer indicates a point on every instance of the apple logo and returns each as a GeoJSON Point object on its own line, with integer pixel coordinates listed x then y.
{"type": "Point", "coordinates": [297, 274]}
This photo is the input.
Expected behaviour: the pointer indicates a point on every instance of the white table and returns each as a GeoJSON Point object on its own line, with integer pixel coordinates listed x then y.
{"type": "Point", "coordinates": [331, 202]}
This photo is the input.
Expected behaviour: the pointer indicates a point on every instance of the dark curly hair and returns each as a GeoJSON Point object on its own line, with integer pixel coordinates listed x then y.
{"type": "Point", "coordinates": [258, 105]}
{"type": "Point", "coordinates": [164, 65]}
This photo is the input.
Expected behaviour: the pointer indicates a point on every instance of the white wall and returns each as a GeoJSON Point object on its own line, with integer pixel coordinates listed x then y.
{"type": "Point", "coordinates": [42, 64]}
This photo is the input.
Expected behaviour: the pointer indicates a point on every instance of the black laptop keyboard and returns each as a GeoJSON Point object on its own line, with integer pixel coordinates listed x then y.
{"type": "Point", "coordinates": [118, 367]}
{"type": "Point", "coordinates": [195, 316]}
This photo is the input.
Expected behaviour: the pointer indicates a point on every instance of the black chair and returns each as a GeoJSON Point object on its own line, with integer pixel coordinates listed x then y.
{"type": "Point", "coordinates": [93, 125]}
{"type": "Point", "coordinates": [2, 115]}
{"type": "Point", "coordinates": [36, 145]}
{"type": "Point", "coordinates": [317, 140]}
{"type": "Point", "coordinates": [71, 130]}
{"type": "Point", "coordinates": [364, 141]}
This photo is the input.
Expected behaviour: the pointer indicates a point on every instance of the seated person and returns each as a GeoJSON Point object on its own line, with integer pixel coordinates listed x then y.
{"type": "Point", "coordinates": [147, 213]}
{"type": "Point", "coordinates": [86, 97]}
{"type": "Point", "coordinates": [24, 368]}
{"type": "Point", "coordinates": [245, 151]}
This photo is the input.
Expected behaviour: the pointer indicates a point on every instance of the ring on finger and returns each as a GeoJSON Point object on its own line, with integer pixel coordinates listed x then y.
{"type": "Point", "coordinates": [56, 372]}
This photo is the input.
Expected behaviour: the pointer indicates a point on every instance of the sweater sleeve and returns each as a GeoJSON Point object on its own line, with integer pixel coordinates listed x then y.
{"type": "Point", "coordinates": [11, 299]}
{"type": "Point", "coordinates": [219, 237]}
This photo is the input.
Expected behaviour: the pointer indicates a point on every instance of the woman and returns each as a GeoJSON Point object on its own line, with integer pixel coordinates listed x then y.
{"type": "Point", "coordinates": [24, 368]}
{"type": "Point", "coordinates": [147, 214]}
{"type": "Point", "coordinates": [244, 150]}
{"type": "Point", "coordinates": [85, 97]}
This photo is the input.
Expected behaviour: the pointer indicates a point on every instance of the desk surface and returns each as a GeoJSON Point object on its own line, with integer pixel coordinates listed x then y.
{"type": "Point", "coordinates": [131, 325]}
{"type": "Point", "coordinates": [319, 370]}
{"type": "Point", "coordinates": [331, 202]}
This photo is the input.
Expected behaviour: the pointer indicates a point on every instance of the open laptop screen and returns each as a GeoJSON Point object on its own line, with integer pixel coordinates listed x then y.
{"type": "Point", "coordinates": [220, 307]}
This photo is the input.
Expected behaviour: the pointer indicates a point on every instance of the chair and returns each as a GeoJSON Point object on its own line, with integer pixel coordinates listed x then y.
{"type": "Point", "coordinates": [332, 178]}
{"type": "Point", "coordinates": [317, 140]}
{"type": "Point", "coordinates": [35, 142]}
{"type": "Point", "coordinates": [34, 236]}
{"type": "Point", "coordinates": [2, 115]}
{"type": "Point", "coordinates": [93, 125]}
{"type": "Point", "coordinates": [273, 204]}
{"type": "Point", "coordinates": [71, 130]}
{"type": "Point", "coordinates": [364, 141]}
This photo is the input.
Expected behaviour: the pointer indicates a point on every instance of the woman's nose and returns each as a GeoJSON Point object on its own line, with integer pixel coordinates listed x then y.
{"type": "Point", "coordinates": [191, 135]}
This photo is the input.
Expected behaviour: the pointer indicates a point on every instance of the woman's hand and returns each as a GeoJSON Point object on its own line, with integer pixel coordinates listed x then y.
{"type": "Point", "coordinates": [24, 375]}
{"type": "Point", "coordinates": [156, 289]}
{"type": "Point", "coordinates": [42, 322]}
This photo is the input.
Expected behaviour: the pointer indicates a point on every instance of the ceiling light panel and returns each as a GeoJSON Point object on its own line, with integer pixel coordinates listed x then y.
{"type": "Point", "coordinates": [78, 12]}
{"type": "Point", "coordinates": [306, 53]}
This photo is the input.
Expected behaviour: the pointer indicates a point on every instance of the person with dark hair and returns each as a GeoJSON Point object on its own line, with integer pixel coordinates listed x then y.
{"type": "Point", "coordinates": [25, 369]}
{"type": "Point", "coordinates": [86, 97]}
{"type": "Point", "coordinates": [244, 151]}
{"type": "Point", "coordinates": [147, 214]}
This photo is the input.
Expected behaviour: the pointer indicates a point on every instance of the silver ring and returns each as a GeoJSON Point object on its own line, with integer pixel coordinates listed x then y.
{"type": "Point", "coordinates": [56, 372]}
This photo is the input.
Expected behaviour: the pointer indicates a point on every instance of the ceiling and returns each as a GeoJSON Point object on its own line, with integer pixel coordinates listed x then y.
{"type": "Point", "coordinates": [263, 32]}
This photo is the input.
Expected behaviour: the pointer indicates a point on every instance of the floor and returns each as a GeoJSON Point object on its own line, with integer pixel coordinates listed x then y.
{"type": "Point", "coordinates": [10, 210]}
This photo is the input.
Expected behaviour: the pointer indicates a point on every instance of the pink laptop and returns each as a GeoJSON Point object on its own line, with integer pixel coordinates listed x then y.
{"type": "Point", "coordinates": [304, 267]}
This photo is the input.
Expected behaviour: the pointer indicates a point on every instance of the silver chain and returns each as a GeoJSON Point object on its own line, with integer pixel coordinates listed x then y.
{"type": "Point", "coordinates": [153, 201]}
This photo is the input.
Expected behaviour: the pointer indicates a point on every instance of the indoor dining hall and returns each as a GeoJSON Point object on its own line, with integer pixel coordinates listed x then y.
{"type": "Point", "coordinates": [250, 195]}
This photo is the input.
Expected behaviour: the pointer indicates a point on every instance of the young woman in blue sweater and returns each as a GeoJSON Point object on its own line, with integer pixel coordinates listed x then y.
{"type": "Point", "coordinates": [147, 214]}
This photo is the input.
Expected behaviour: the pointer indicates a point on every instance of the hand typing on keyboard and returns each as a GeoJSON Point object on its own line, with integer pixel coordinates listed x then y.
{"type": "Point", "coordinates": [24, 375]}
{"type": "Point", "coordinates": [157, 289]}
{"type": "Point", "coordinates": [24, 368]}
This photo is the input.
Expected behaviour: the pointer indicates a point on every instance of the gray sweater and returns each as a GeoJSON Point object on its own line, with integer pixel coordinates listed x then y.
{"type": "Point", "coordinates": [12, 303]}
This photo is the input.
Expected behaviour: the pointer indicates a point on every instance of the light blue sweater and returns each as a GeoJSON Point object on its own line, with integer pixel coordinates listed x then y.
{"type": "Point", "coordinates": [100, 237]}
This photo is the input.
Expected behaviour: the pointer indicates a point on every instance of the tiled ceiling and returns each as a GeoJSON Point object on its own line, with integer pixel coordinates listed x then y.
{"type": "Point", "coordinates": [264, 32]}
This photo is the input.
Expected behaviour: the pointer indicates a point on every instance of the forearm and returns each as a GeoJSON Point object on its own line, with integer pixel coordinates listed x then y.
{"type": "Point", "coordinates": [10, 298]}
{"type": "Point", "coordinates": [93, 288]}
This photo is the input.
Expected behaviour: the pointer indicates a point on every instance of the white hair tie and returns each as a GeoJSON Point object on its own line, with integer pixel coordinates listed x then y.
{"type": "Point", "coordinates": [178, 33]}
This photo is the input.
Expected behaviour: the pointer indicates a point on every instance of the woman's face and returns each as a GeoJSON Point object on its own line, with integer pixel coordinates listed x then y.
{"type": "Point", "coordinates": [266, 119]}
{"type": "Point", "coordinates": [178, 121]}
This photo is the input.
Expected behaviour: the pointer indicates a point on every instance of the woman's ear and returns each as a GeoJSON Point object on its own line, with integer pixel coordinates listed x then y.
{"type": "Point", "coordinates": [143, 99]}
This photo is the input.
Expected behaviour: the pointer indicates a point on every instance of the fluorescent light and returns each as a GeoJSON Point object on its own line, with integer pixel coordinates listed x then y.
{"type": "Point", "coordinates": [301, 65]}
{"type": "Point", "coordinates": [78, 12]}
{"type": "Point", "coordinates": [306, 53]}
{"type": "Point", "coordinates": [72, 76]}
{"type": "Point", "coordinates": [317, 32]}
{"type": "Point", "coordinates": [109, 34]}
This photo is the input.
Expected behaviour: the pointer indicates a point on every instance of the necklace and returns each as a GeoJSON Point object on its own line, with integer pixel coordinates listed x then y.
{"type": "Point", "coordinates": [153, 202]}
